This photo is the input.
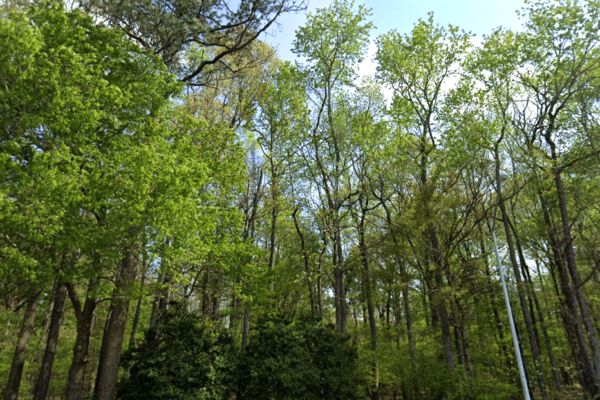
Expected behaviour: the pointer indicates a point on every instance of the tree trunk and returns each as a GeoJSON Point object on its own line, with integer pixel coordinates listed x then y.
{"type": "Point", "coordinates": [306, 258]}
{"type": "Point", "coordinates": [340, 291]}
{"type": "Point", "coordinates": [369, 300]}
{"type": "Point", "coordinates": [570, 332]}
{"type": "Point", "coordinates": [273, 243]}
{"type": "Point", "coordinates": [246, 325]}
{"type": "Point", "coordinates": [138, 311]}
{"type": "Point", "coordinates": [216, 297]}
{"type": "Point", "coordinates": [205, 293]}
{"type": "Point", "coordinates": [112, 342]}
{"type": "Point", "coordinates": [466, 348]}
{"type": "Point", "coordinates": [532, 295]}
{"type": "Point", "coordinates": [572, 314]}
{"type": "Point", "coordinates": [405, 294]}
{"type": "Point", "coordinates": [533, 343]}
{"type": "Point", "coordinates": [500, 332]}
{"type": "Point", "coordinates": [18, 362]}
{"type": "Point", "coordinates": [574, 273]}
{"type": "Point", "coordinates": [320, 274]}
{"type": "Point", "coordinates": [43, 383]}
{"type": "Point", "coordinates": [85, 319]}
{"type": "Point", "coordinates": [163, 303]}
{"type": "Point", "coordinates": [156, 302]}
{"type": "Point", "coordinates": [440, 303]}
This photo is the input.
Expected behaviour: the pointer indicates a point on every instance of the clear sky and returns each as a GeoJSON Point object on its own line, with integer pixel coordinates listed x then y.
{"type": "Point", "coordinates": [477, 16]}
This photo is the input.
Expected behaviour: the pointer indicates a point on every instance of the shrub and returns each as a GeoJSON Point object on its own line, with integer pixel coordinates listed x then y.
{"type": "Point", "coordinates": [180, 359]}
{"type": "Point", "coordinates": [301, 359]}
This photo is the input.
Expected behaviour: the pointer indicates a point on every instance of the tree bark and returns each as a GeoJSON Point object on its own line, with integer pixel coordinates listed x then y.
{"type": "Point", "coordinates": [574, 273]}
{"type": "Point", "coordinates": [341, 313]}
{"type": "Point", "coordinates": [320, 274]}
{"type": "Point", "coordinates": [369, 299]}
{"type": "Point", "coordinates": [274, 214]}
{"type": "Point", "coordinates": [306, 258]}
{"type": "Point", "coordinates": [533, 343]}
{"type": "Point", "coordinates": [18, 362]}
{"type": "Point", "coordinates": [533, 296]}
{"type": "Point", "coordinates": [572, 314]}
{"type": "Point", "coordinates": [156, 302]}
{"type": "Point", "coordinates": [215, 298]}
{"type": "Point", "coordinates": [85, 319]}
{"type": "Point", "coordinates": [138, 311]}
{"type": "Point", "coordinates": [163, 303]}
{"type": "Point", "coordinates": [246, 324]}
{"type": "Point", "coordinates": [440, 303]}
{"type": "Point", "coordinates": [405, 294]}
{"type": "Point", "coordinates": [112, 343]}
{"type": "Point", "coordinates": [43, 383]}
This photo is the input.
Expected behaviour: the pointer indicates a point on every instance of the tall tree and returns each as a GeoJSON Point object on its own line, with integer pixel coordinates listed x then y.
{"type": "Point", "coordinates": [417, 66]}
{"type": "Point", "coordinates": [333, 42]}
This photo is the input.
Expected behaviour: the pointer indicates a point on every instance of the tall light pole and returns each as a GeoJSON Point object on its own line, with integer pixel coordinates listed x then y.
{"type": "Point", "coordinates": [513, 330]}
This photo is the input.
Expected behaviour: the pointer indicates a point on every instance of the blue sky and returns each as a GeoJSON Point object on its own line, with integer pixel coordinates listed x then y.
{"type": "Point", "coordinates": [477, 16]}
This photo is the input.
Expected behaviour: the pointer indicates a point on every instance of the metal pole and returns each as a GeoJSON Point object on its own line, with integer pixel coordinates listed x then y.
{"type": "Point", "coordinates": [510, 318]}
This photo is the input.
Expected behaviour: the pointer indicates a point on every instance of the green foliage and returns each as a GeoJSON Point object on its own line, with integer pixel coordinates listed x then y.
{"type": "Point", "coordinates": [96, 160]}
{"type": "Point", "coordinates": [81, 109]}
{"type": "Point", "coordinates": [334, 42]}
{"type": "Point", "coordinates": [181, 358]}
{"type": "Point", "coordinates": [297, 359]}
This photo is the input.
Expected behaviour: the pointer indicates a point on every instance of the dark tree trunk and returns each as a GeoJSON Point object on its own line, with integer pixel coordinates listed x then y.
{"type": "Point", "coordinates": [405, 294]}
{"type": "Point", "coordinates": [341, 313]}
{"type": "Point", "coordinates": [458, 338]}
{"type": "Point", "coordinates": [499, 333]}
{"type": "Point", "coordinates": [439, 299]}
{"type": "Point", "coordinates": [320, 274]}
{"type": "Point", "coordinates": [533, 296]}
{"type": "Point", "coordinates": [85, 319]}
{"type": "Point", "coordinates": [18, 362]}
{"type": "Point", "coordinates": [466, 348]}
{"type": "Point", "coordinates": [533, 343]}
{"type": "Point", "coordinates": [112, 343]}
{"type": "Point", "coordinates": [216, 297]}
{"type": "Point", "coordinates": [205, 293]}
{"type": "Point", "coordinates": [273, 241]}
{"type": "Point", "coordinates": [306, 258]}
{"type": "Point", "coordinates": [43, 383]}
{"type": "Point", "coordinates": [163, 304]}
{"type": "Point", "coordinates": [235, 304]}
{"type": "Point", "coordinates": [568, 327]}
{"type": "Point", "coordinates": [246, 325]}
{"type": "Point", "coordinates": [572, 314]}
{"type": "Point", "coordinates": [156, 302]}
{"type": "Point", "coordinates": [369, 299]}
{"type": "Point", "coordinates": [574, 273]}
{"type": "Point", "coordinates": [138, 311]}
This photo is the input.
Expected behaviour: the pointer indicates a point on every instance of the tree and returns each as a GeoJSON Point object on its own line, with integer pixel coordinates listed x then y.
{"type": "Point", "coordinates": [333, 43]}
{"type": "Point", "coordinates": [282, 115]}
{"type": "Point", "coordinates": [107, 175]}
{"type": "Point", "coordinates": [417, 66]}
{"type": "Point", "coordinates": [560, 63]}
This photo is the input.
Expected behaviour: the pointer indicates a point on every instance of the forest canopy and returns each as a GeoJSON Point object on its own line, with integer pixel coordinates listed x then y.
{"type": "Point", "coordinates": [184, 215]}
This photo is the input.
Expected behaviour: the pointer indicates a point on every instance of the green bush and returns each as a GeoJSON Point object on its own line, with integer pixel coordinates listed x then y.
{"type": "Point", "coordinates": [180, 359]}
{"type": "Point", "coordinates": [301, 359]}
